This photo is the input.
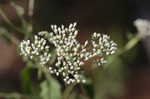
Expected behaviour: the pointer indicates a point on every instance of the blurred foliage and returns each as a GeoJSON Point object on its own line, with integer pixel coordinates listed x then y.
{"type": "Point", "coordinates": [104, 83]}
{"type": "Point", "coordinates": [50, 89]}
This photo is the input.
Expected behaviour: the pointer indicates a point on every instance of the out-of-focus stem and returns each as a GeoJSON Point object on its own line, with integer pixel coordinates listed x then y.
{"type": "Point", "coordinates": [13, 39]}
{"type": "Point", "coordinates": [30, 7]}
{"type": "Point", "coordinates": [9, 22]}
{"type": "Point", "coordinates": [11, 95]}
{"type": "Point", "coordinates": [16, 95]}
{"type": "Point", "coordinates": [68, 91]}
{"type": "Point", "coordinates": [133, 42]}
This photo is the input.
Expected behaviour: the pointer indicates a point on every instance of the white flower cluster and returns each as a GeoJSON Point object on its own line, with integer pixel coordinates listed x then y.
{"type": "Point", "coordinates": [143, 26]}
{"type": "Point", "coordinates": [71, 55]}
{"type": "Point", "coordinates": [38, 50]}
{"type": "Point", "coordinates": [102, 46]}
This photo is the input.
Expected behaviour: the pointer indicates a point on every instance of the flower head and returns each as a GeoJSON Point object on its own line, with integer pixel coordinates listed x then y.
{"type": "Point", "coordinates": [71, 55]}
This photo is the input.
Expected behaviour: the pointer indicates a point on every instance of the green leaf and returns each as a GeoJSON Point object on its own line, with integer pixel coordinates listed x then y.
{"type": "Point", "coordinates": [50, 90]}
{"type": "Point", "coordinates": [26, 81]}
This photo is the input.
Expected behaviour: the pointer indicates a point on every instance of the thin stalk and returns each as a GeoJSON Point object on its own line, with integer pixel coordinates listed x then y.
{"type": "Point", "coordinates": [13, 39]}
{"type": "Point", "coordinates": [132, 43]}
{"type": "Point", "coordinates": [12, 95]}
{"type": "Point", "coordinates": [68, 91]}
{"type": "Point", "coordinates": [9, 22]}
{"type": "Point", "coordinates": [30, 7]}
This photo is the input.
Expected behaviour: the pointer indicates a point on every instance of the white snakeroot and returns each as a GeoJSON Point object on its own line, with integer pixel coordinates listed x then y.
{"type": "Point", "coordinates": [71, 54]}
{"type": "Point", "coordinates": [37, 50]}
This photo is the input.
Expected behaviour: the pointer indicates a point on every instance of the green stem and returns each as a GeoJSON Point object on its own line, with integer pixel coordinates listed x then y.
{"type": "Point", "coordinates": [9, 22]}
{"type": "Point", "coordinates": [12, 95]}
{"type": "Point", "coordinates": [13, 39]}
{"type": "Point", "coordinates": [68, 91]}
{"type": "Point", "coordinates": [132, 43]}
